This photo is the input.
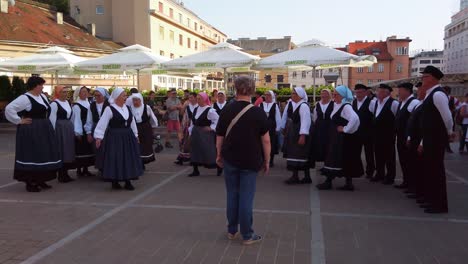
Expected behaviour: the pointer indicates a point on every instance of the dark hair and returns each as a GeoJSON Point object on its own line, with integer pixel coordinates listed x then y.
{"type": "Point", "coordinates": [194, 94]}
{"type": "Point", "coordinates": [133, 90]}
{"type": "Point", "coordinates": [186, 91]}
{"type": "Point", "coordinates": [447, 89]}
{"type": "Point", "coordinates": [259, 93]}
{"type": "Point", "coordinates": [34, 81]}
{"type": "Point", "coordinates": [151, 93]}
{"type": "Point", "coordinates": [244, 85]}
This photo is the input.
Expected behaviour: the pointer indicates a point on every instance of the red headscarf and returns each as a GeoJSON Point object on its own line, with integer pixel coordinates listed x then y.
{"type": "Point", "coordinates": [57, 91]}
{"type": "Point", "coordinates": [205, 98]}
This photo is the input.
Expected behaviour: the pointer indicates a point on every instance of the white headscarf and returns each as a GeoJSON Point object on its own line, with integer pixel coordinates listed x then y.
{"type": "Point", "coordinates": [76, 93]}
{"type": "Point", "coordinates": [273, 96]}
{"type": "Point", "coordinates": [115, 94]}
{"type": "Point", "coordinates": [302, 94]}
{"type": "Point", "coordinates": [138, 96]}
{"type": "Point", "coordinates": [103, 92]}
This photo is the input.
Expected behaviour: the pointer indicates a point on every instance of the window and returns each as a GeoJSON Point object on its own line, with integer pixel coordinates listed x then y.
{"type": "Point", "coordinates": [379, 80]}
{"type": "Point", "coordinates": [421, 69]}
{"type": "Point", "coordinates": [195, 25]}
{"type": "Point", "coordinates": [380, 67]}
{"type": "Point", "coordinates": [181, 40]}
{"type": "Point", "coordinates": [402, 51]}
{"type": "Point", "coordinates": [171, 37]}
{"type": "Point", "coordinates": [399, 68]}
{"type": "Point", "coordinates": [161, 7]}
{"type": "Point", "coordinates": [188, 22]}
{"type": "Point", "coordinates": [268, 78]}
{"type": "Point", "coordinates": [180, 18]}
{"type": "Point", "coordinates": [304, 74]}
{"type": "Point", "coordinates": [375, 52]}
{"type": "Point", "coordinates": [369, 82]}
{"type": "Point", "coordinates": [99, 10]}
{"type": "Point", "coordinates": [360, 70]}
{"type": "Point", "coordinates": [359, 81]}
{"type": "Point", "coordinates": [161, 52]}
{"type": "Point", "coordinates": [171, 12]}
{"type": "Point", "coordinates": [161, 33]}
{"type": "Point", "coordinates": [280, 78]}
{"type": "Point", "coordinates": [294, 75]}
{"type": "Point", "coordinates": [425, 62]}
{"type": "Point", "coordinates": [189, 44]}
{"type": "Point", "coordinates": [196, 45]}
{"type": "Point", "coordinates": [370, 69]}
{"type": "Point", "coordinates": [172, 56]}
{"type": "Point", "coordinates": [361, 52]}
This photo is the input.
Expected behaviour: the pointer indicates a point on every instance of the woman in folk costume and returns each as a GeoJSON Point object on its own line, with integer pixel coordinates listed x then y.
{"type": "Point", "coordinates": [37, 157]}
{"type": "Point", "coordinates": [61, 115]}
{"type": "Point", "coordinates": [146, 122]}
{"type": "Point", "coordinates": [190, 105]}
{"type": "Point", "coordinates": [296, 123]}
{"type": "Point", "coordinates": [220, 103]}
{"type": "Point", "coordinates": [343, 156]}
{"type": "Point", "coordinates": [122, 161]}
{"type": "Point", "coordinates": [84, 153]}
{"type": "Point", "coordinates": [321, 117]}
{"type": "Point", "coordinates": [101, 97]}
{"type": "Point", "coordinates": [272, 111]}
{"type": "Point", "coordinates": [202, 136]}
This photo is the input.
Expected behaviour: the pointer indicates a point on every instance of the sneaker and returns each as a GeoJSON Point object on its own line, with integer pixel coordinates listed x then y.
{"type": "Point", "coordinates": [232, 236]}
{"type": "Point", "coordinates": [254, 239]}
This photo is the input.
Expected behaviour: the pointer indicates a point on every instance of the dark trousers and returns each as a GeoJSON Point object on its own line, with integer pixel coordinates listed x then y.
{"type": "Point", "coordinates": [385, 158]}
{"type": "Point", "coordinates": [368, 143]}
{"type": "Point", "coordinates": [416, 182]}
{"type": "Point", "coordinates": [403, 155]}
{"type": "Point", "coordinates": [463, 143]}
{"type": "Point", "coordinates": [434, 173]}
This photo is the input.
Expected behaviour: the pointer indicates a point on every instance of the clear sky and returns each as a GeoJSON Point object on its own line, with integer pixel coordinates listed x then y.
{"type": "Point", "coordinates": [336, 22]}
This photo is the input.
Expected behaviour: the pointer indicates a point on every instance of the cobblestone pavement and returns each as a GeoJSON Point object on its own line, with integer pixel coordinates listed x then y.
{"type": "Point", "coordinates": [171, 218]}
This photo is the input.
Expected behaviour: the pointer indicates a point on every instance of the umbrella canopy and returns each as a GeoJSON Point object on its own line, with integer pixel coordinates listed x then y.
{"type": "Point", "coordinates": [222, 56]}
{"type": "Point", "coordinates": [317, 55]}
{"type": "Point", "coordinates": [132, 58]}
{"type": "Point", "coordinates": [53, 59]}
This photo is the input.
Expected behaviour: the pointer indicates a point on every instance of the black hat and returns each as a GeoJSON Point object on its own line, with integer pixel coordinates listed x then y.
{"type": "Point", "coordinates": [360, 86]}
{"type": "Point", "coordinates": [384, 86]}
{"type": "Point", "coordinates": [407, 86]}
{"type": "Point", "coordinates": [419, 84]}
{"type": "Point", "coordinates": [434, 71]}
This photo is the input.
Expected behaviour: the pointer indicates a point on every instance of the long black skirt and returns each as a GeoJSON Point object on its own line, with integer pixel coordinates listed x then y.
{"type": "Point", "coordinates": [84, 152]}
{"type": "Point", "coordinates": [145, 135]}
{"type": "Point", "coordinates": [121, 152]}
{"type": "Point", "coordinates": [343, 156]}
{"type": "Point", "coordinates": [297, 156]}
{"type": "Point", "coordinates": [320, 140]}
{"type": "Point", "coordinates": [203, 147]}
{"type": "Point", "coordinates": [65, 134]}
{"type": "Point", "coordinates": [37, 157]}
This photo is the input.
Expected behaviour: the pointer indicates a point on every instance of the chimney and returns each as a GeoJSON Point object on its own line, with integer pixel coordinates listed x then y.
{"type": "Point", "coordinates": [91, 28]}
{"type": "Point", "coordinates": [287, 37]}
{"type": "Point", "coordinates": [59, 18]}
{"type": "Point", "coordinates": [4, 6]}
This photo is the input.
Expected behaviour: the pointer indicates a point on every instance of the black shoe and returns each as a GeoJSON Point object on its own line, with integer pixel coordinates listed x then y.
{"type": "Point", "coordinates": [420, 201]}
{"type": "Point", "coordinates": [408, 192]}
{"type": "Point", "coordinates": [178, 162]}
{"type": "Point", "coordinates": [293, 180]}
{"type": "Point", "coordinates": [401, 186]}
{"type": "Point", "coordinates": [44, 186]}
{"type": "Point", "coordinates": [32, 188]}
{"type": "Point", "coordinates": [347, 187]}
{"type": "Point", "coordinates": [65, 179]}
{"type": "Point", "coordinates": [128, 186]}
{"type": "Point", "coordinates": [412, 196]}
{"type": "Point", "coordinates": [194, 174]}
{"type": "Point", "coordinates": [376, 179]}
{"type": "Point", "coordinates": [116, 186]}
{"type": "Point", "coordinates": [435, 211]}
{"type": "Point", "coordinates": [388, 182]}
{"type": "Point", "coordinates": [369, 176]}
{"type": "Point", "coordinates": [425, 206]}
{"type": "Point", "coordinates": [306, 180]}
{"type": "Point", "coordinates": [88, 174]}
{"type": "Point", "coordinates": [324, 186]}
{"type": "Point", "coordinates": [79, 172]}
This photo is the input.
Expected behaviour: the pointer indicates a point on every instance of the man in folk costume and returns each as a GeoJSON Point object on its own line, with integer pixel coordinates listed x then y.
{"type": "Point", "coordinates": [437, 125]}
{"type": "Point", "coordinates": [407, 104]}
{"type": "Point", "coordinates": [220, 103]}
{"type": "Point", "coordinates": [272, 111]}
{"type": "Point", "coordinates": [385, 109]}
{"type": "Point", "coordinates": [296, 123]}
{"type": "Point", "coordinates": [364, 105]}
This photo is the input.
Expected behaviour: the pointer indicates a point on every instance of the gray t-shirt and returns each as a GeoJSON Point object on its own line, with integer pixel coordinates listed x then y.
{"type": "Point", "coordinates": [170, 102]}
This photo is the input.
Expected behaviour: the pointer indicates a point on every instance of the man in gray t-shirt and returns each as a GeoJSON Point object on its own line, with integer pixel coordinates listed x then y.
{"type": "Point", "coordinates": [173, 106]}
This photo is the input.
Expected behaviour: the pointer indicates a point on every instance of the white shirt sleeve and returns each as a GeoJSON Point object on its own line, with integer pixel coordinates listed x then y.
{"type": "Point", "coordinates": [306, 120]}
{"type": "Point", "coordinates": [372, 106]}
{"type": "Point", "coordinates": [213, 117]}
{"type": "Point", "coordinates": [153, 120]}
{"type": "Point", "coordinates": [89, 123]}
{"type": "Point", "coordinates": [278, 118]}
{"type": "Point", "coordinates": [134, 127]}
{"type": "Point", "coordinates": [77, 120]}
{"type": "Point", "coordinates": [284, 118]}
{"type": "Point", "coordinates": [314, 114]}
{"type": "Point", "coordinates": [103, 123]}
{"type": "Point", "coordinates": [353, 120]}
{"type": "Point", "coordinates": [19, 104]}
{"type": "Point", "coordinates": [413, 105]}
{"type": "Point", "coordinates": [394, 107]}
{"type": "Point", "coordinates": [53, 114]}
{"type": "Point", "coordinates": [441, 103]}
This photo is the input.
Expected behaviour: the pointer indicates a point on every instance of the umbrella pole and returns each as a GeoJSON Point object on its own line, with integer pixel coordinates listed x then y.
{"type": "Point", "coordinates": [225, 79]}
{"type": "Point", "coordinates": [314, 88]}
{"type": "Point", "coordinates": [57, 76]}
{"type": "Point", "coordinates": [138, 80]}
{"type": "Point", "coordinates": [341, 75]}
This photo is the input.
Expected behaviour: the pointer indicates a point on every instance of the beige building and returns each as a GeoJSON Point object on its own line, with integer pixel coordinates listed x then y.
{"type": "Point", "coordinates": [165, 26]}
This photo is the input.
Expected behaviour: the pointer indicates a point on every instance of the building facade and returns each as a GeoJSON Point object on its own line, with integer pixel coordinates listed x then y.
{"type": "Point", "coordinates": [393, 61]}
{"type": "Point", "coordinates": [424, 58]}
{"type": "Point", "coordinates": [166, 26]}
{"type": "Point", "coordinates": [456, 43]}
{"type": "Point", "coordinates": [305, 79]}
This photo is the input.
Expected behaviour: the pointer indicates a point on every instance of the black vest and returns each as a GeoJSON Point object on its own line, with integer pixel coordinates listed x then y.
{"type": "Point", "coordinates": [118, 121]}
{"type": "Point", "coordinates": [337, 119]}
{"type": "Point", "coordinates": [84, 116]}
{"type": "Point", "coordinates": [94, 112]}
{"type": "Point", "coordinates": [366, 117]}
{"type": "Point", "coordinates": [295, 115]}
{"type": "Point", "coordinates": [328, 112]}
{"type": "Point", "coordinates": [144, 116]}
{"type": "Point", "coordinates": [38, 111]}
{"type": "Point", "coordinates": [202, 120]}
{"type": "Point", "coordinates": [61, 112]}
{"type": "Point", "coordinates": [271, 117]}
{"type": "Point", "coordinates": [385, 122]}
{"type": "Point", "coordinates": [189, 112]}
{"type": "Point", "coordinates": [401, 120]}
{"type": "Point", "coordinates": [414, 130]}
{"type": "Point", "coordinates": [216, 107]}
{"type": "Point", "coordinates": [433, 126]}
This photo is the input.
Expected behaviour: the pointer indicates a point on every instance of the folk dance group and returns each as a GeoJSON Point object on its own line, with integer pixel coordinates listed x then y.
{"type": "Point", "coordinates": [54, 137]}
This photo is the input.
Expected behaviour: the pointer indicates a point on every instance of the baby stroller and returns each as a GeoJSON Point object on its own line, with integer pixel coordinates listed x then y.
{"type": "Point", "coordinates": [158, 146]}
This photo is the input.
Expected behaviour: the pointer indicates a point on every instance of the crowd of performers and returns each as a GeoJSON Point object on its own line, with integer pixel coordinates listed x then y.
{"type": "Point", "coordinates": [115, 134]}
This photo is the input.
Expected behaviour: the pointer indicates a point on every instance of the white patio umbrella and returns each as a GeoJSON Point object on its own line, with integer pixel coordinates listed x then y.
{"type": "Point", "coordinates": [314, 55]}
{"type": "Point", "coordinates": [54, 59]}
{"type": "Point", "coordinates": [129, 59]}
{"type": "Point", "coordinates": [221, 57]}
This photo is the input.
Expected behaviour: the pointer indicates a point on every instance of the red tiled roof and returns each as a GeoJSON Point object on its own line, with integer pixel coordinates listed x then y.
{"type": "Point", "coordinates": [369, 47]}
{"type": "Point", "coordinates": [29, 23]}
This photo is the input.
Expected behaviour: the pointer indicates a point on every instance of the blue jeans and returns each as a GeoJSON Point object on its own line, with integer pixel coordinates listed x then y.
{"type": "Point", "coordinates": [240, 189]}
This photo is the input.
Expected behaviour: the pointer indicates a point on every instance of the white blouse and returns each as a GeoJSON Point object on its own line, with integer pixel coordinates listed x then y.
{"type": "Point", "coordinates": [324, 110]}
{"type": "Point", "coordinates": [304, 113]}
{"type": "Point", "coordinates": [54, 108]}
{"type": "Point", "coordinates": [348, 114]}
{"type": "Point", "coordinates": [77, 118]}
{"type": "Point", "coordinates": [107, 116]}
{"type": "Point", "coordinates": [212, 116]}
{"type": "Point", "coordinates": [138, 114]}
{"type": "Point", "coordinates": [20, 104]}
{"type": "Point", "coordinates": [221, 106]}
{"type": "Point", "coordinates": [267, 107]}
